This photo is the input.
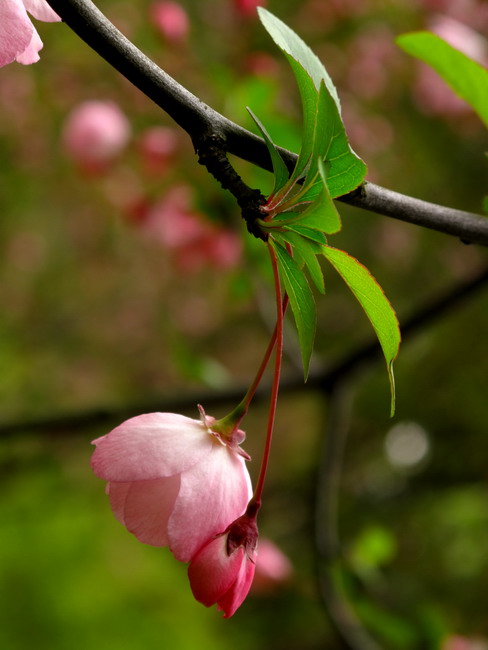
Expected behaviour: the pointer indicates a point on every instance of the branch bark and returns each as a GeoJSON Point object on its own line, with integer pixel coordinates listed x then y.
{"type": "Point", "coordinates": [200, 120]}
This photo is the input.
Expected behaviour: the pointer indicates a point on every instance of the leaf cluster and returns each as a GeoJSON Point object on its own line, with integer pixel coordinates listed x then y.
{"type": "Point", "coordinates": [300, 213]}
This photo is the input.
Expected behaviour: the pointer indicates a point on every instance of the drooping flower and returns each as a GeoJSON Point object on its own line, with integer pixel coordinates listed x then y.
{"type": "Point", "coordinates": [19, 40]}
{"type": "Point", "coordinates": [221, 573]}
{"type": "Point", "coordinates": [173, 481]}
{"type": "Point", "coordinates": [94, 134]}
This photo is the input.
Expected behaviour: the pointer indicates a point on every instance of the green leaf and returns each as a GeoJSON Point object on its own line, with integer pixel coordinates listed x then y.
{"type": "Point", "coordinates": [324, 135]}
{"type": "Point", "coordinates": [374, 303]}
{"type": "Point", "coordinates": [307, 250]}
{"type": "Point", "coordinates": [322, 213]}
{"type": "Point", "coordinates": [279, 168]}
{"type": "Point", "coordinates": [291, 44]}
{"type": "Point", "coordinates": [309, 233]}
{"type": "Point", "coordinates": [301, 302]}
{"type": "Point", "coordinates": [308, 95]}
{"type": "Point", "coordinates": [466, 77]}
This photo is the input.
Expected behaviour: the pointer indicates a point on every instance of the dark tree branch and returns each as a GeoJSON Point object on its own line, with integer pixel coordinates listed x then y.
{"type": "Point", "coordinates": [198, 120]}
{"type": "Point", "coordinates": [325, 379]}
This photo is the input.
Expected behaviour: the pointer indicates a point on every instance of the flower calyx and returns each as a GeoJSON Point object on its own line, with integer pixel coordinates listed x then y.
{"type": "Point", "coordinates": [225, 430]}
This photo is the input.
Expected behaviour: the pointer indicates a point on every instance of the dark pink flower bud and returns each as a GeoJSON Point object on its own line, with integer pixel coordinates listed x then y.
{"type": "Point", "coordinates": [172, 481]}
{"type": "Point", "coordinates": [19, 40]}
{"type": "Point", "coordinates": [171, 20]}
{"type": "Point", "coordinates": [222, 571]}
{"type": "Point", "coordinates": [95, 133]}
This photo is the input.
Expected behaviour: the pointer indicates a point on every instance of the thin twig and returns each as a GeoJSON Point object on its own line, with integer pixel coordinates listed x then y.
{"type": "Point", "coordinates": [198, 119]}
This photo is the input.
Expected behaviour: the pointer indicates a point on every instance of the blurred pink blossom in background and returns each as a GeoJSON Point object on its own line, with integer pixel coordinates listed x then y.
{"type": "Point", "coordinates": [273, 568]}
{"type": "Point", "coordinates": [193, 241]}
{"type": "Point", "coordinates": [457, 642]}
{"type": "Point", "coordinates": [222, 571]}
{"type": "Point", "coordinates": [158, 146]}
{"type": "Point", "coordinates": [19, 40]}
{"type": "Point", "coordinates": [95, 133]}
{"type": "Point", "coordinates": [432, 93]}
{"type": "Point", "coordinates": [248, 8]}
{"type": "Point", "coordinates": [172, 481]}
{"type": "Point", "coordinates": [171, 21]}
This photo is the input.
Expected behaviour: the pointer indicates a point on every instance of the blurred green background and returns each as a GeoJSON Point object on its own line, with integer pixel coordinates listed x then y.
{"type": "Point", "coordinates": [98, 313]}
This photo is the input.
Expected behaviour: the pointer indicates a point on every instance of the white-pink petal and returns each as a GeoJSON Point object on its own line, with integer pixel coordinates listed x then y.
{"type": "Point", "coordinates": [41, 10]}
{"type": "Point", "coordinates": [148, 507]}
{"type": "Point", "coordinates": [117, 493]}
{"type": "Point", "coordinates": [30, 54]}
{"type": "Point", "coordinates": [151, 446]}
{"type": "Point", "coordinates": [212, 495]}
{"type": "Point", "coordinates": [15, 30]}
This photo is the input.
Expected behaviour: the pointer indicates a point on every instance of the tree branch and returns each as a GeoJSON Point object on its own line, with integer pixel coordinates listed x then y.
{"type": "Point", "coordinates": [198, 119]}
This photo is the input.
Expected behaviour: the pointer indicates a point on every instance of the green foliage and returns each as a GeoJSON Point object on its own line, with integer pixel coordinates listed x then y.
{"type": "Point", "coordinates": [327, 167]}
{"type": "Point", "coordinates": [324, 135]}
{"type": "Point", "coordinates": [375, 304]}
{"type": "Point", "coordinates": [466, 77]}
{"type": "Point", "coordinates": [301, 301]}
{"type": "Point", "coordinates": [279, 168]}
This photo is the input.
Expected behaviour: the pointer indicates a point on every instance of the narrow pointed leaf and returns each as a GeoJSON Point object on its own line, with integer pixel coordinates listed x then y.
{"type": "Point", "coordinates": [466, 77]}
{"type": "Point", "coordinates": [323, 131]}
{"type": "Point", "coordinates": [374, 303]}
{"type": "Point", "coordinates": [309, 233]}
{"type": "Point", "coordinates": [286, 39]}
{"type": "Point", "coordinates": [279, 168]}
{"type": "Point", "coordinates": [322, 213]}
{"type": "Point", "coordinates": [301, 302]}
{"type": "Point", "coordinates": [307, 250]}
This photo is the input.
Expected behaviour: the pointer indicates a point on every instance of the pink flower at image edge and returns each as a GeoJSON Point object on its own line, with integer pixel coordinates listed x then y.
{"type": "Point", "coordinates": [172, 481]}
{"type": "Point", "coordinates": [19, 40]}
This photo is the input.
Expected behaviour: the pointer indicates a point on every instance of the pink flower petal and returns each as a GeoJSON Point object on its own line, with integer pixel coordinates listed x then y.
{"type": "Point", "coordinates": [213, 493]}
{"type": "Point", "coordinates": [151, 446]}
{"type": "Point", "coordinates": [117, 493]}
{"type": "Point", "coordinates": [212, 571]}
{"type": "Point", "coordinates": [148, 507]}
{"type": "Point", "coordinates": [15, 30]}
{"type": "Point", "coordinates": [41, 10]}
{"type": "Point", "coordinates": [235, 596]}
{"type": "Point", "coordinates": [30, 54]}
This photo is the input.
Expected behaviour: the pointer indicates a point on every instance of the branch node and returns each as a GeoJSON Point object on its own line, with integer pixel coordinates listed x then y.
{"type": "Point", "coordinates": [211, 151]}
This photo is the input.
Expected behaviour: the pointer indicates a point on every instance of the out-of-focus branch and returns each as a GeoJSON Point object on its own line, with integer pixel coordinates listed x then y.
{"type": "Point", "coordinates": [201, 121]}
{"type": "Point", "coordinates": [324, 379]}
{"type": "Point", "coordinates": [329, 561]}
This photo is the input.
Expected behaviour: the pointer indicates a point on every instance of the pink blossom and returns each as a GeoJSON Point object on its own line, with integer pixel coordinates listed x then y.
{"type": "Point", "coordinates": [248, 8]}
{"type": "Point", "coordinates": [172, 222]}
{"type": "Point", "coordinates": [172, 481]}
{"type": "Point", "coordinates": [95, 133]}
{"type": "Point", "coordinates": [273, 568]}
{"type": "Point", "coordinates": [19, 40]}
{"type": "Point", "coordinates": [171, 20]}
{"type": "Point", "coordinates": [222, 571]}
{"type": "Point", "coordinates": [158, 146]}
